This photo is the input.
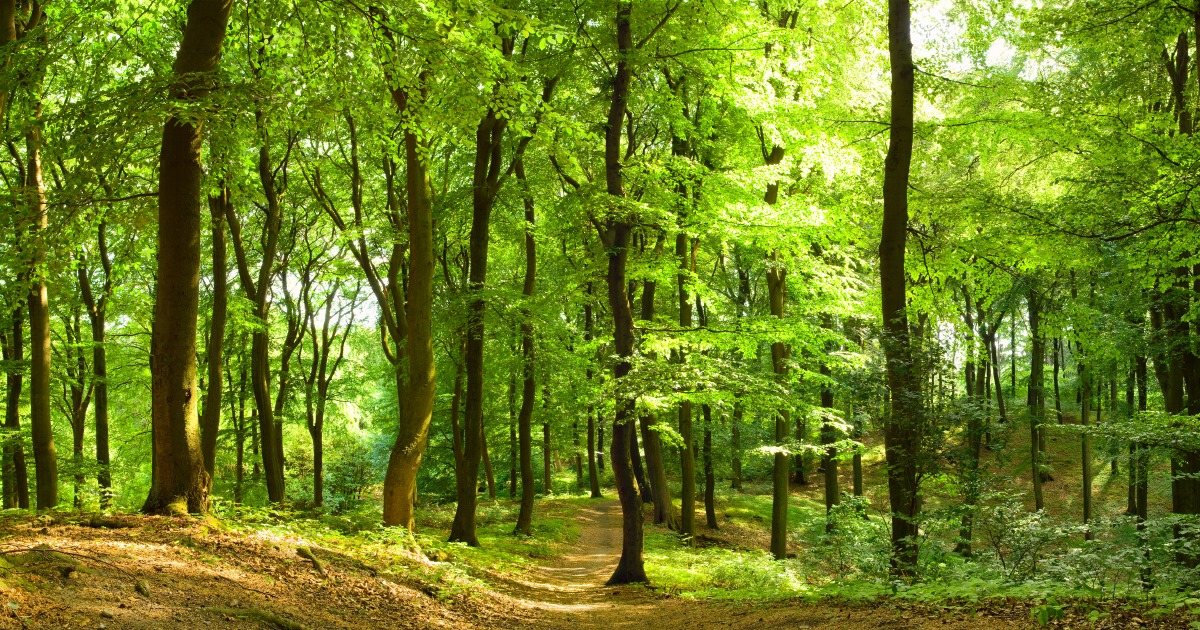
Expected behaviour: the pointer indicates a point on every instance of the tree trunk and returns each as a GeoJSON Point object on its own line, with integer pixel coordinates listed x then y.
{"type": "Point", "coordinates": [710, 479]}
{"type": "Point", "coordinates": [664, 508]}
{"type": "Point", "coordinates": [776, 283]}
{"type": "Point", "coordinates": [999, 383]}
{"type": "Point", "coordinates": [615, 236]}
{"type": "Point", "coordinates": [1055, 349]}
{"type": "Point", "coordinates": [547, 479]}
{"type": "Point", "coordinates": [687, 452]}
{"type": "Point", "coordinates": [240, 418]}
{"type": "Point", "coordinates": [1034, 396]}
{"type": "Point", "coordinates": [829, 453]}
{"type": "Point", "coordinates": [1085, 410]}
{"type": "Point", "coordinates": [578, 453]}
{"type": "Point", "coordinates": [639, 474]}
{"type": "Point", "coordinates": [210, 418]}
{"type": "Point", "coordinates": [600, 443]}
{"type": "Point", "coordinates": [16, 473]}
{"type": "Point", "coordinates": [1131, 506]}
{"type": "Point", "coordinates": [529, 385]}
{"type": "Point", "coordinates": [76, 395]}
{"type": "Point", "coordinates": [8, 35]}
{"type": "Point", "coordinates": [420, 386]}
{"type": "Point", "coordinates": [513, 450]}
{"type": "Point", "coordinates": [975, 421]}
{"type": "Point", "coordinates": [258, 291]}
{"type": "Point", "coordinates": [902, 429]}
{"type": "Point", "coordinates": [179, 483]}
{"type": "Point", "coordinates": [593, 473]}
{"type": "Point", "coordinates": [488, 474]}
{"type": "Point", "coordinates": [97, 309]}
{"type": "Point", "coordinates": [488, 147]}
{"type": "Point", "coordinates": [735, 446]}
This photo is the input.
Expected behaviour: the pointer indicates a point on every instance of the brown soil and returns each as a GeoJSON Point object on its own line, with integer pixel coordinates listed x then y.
{"type": "Point", "coordinates": [168, 573]}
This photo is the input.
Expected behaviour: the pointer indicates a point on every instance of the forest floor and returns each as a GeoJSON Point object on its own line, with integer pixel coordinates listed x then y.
{"type": "Point", "coordinates": [569, 592]}
{"type": "Point", "coordinates": [78, 571]}
{"type": "Point", "coordinates": [141, 572]}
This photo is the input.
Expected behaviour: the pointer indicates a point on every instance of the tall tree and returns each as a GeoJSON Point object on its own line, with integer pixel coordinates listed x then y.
{"type": "Point", "coordinates": [96, 302]}
{"type": "Point", "coordinates": [219, 207]}
{"type": "Point", "coordinates": [902, 429]}
{"type": "Point", "coordinates": [179, 483]}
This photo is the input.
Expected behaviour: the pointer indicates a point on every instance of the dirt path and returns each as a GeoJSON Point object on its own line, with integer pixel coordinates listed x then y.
{"type": "Point", "coordinates": [570, 593]}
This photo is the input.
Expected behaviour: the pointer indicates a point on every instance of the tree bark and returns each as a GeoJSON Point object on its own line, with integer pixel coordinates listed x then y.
{"type": "Point", "coordinates": [687, 450]}
{"type": "Point", "coordinates": [513, 450]}
{"type": "Point", "coordinates": [664, 508]}
{"type": "Point", "coordinates": [420, 386]}
{"type": "Point", "coordinates": [547, 479]}
{"type": "Point", "coordinates": [97, 310]}
{"type": "Point", "coordinates": [179, 483]}
{"type": "Point", "coordinates": [210, 418]}
{"type": "Point", "coordinates": [258, 291]}
{"type": "Point", "coordinates": [829, 453]}
{"type": "Point", "coordinates": [593, 473]}
{"type": "Point", "coordinates": [16, 473]}
{"type": "Point", "coordinates": [902, 429]}
{"type": "Point", "coordinates": [615, 236]}
{"type": "Point", "coordinates": [44, 458]}
{"type": "Point", "coordinates": [528, 383]}
{"type": "Point", "coordinates": [710, 478]}
{"type": "Point", "coordinates": [776, 286]}
{"type": "Point", "coordinates": [1034, 397]}
{"type": "Point", "coordinates": [489, 135]}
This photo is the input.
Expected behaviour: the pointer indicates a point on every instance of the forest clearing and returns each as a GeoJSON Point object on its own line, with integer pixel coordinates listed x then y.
{"type": "Point", "coordinates": [600, 313]}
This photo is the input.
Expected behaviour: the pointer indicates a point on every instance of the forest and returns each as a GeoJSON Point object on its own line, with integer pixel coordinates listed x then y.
{"type": "Point", "coordinates": [600, 313]}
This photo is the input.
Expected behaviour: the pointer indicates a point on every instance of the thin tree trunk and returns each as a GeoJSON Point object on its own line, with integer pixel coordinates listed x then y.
{"type": "Point", "coordinates": [645, 489]}
{"type": "Point", "coordinates": [999, 383]}
{"type": "Point", "coordinates": [1131, 506]}
{"type": "Point", "coordinates": [710, 479]}
{"type": "Point", "coordinates": [513, 450]}
{"type": "Point", "coordinates": [593, 473]}
{"type": "Point", "coordinates": [776, 283]}
{"type": "Point", "coordinates": [529, 386]}
{"type": "Point", "coordinates": [687, 452]}
{"type": "Point", "coordinates": [210, 418]}
{"type": "Point", "coordinates": [489, 475]}
{"type": "Point", "coordinates": [829, 452]}
{"type": "Point", "coordinates": [1032, 399]}
{"type": "Point", "coordinates": [240, 463]}
{"type": "Point", "coordinates": [735, 446]}
{"type": "Point", "coordinates": [16, 471]}
{"type": "Point", "coordinates": [664, 508]}
{"type": "Point", "coordinates": [489, 134]}
{"type": "Point", "coordinates": [578, 453]}
{"type": "Point", "coordinates": [258, 290]}
{"type": "Point", "coordinates": [1012, 355]}
{"type": "Point", "coordinates": [97, 307]}
{"type": "Point", "coordinates": [1056, 347]}
{"type": "Point", "coordinates": [976, 372]}
{"type": "Point", "coordinates": [902, 434]}
{"type": "Point", "coordinates": [547, 479]}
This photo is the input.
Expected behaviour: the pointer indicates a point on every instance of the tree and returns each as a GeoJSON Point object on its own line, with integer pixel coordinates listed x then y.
{"type": "Point", "coordinates": [179, 483]}
{"type": "Point", "coordinates": [902, 437]}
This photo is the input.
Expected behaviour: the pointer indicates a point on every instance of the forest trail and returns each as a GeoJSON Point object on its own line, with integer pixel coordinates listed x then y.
{"type": "Point", "coordinates": [570, 592]}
